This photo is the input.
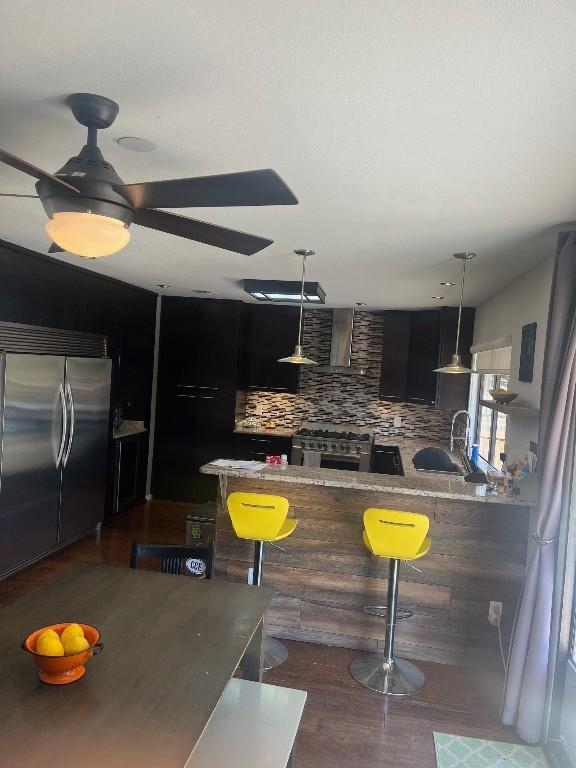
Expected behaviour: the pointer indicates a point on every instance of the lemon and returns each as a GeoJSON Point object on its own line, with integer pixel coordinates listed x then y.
{"type": "Point", "coordinates": [75, 644]}
{"type": "Point", "coordinates": [72, 630]}
{"type": "Point", "coordinates": [49, 646]}
{"type": "Point", "coordinates": [48, 633]}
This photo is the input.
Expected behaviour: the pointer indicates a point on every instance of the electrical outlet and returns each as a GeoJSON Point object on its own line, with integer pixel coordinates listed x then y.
{"type": "Point", "coordinates": [258, 409]}
{"type": "Point", "coordinates": [251, 577]}
{"type": "Point", "coordinates": [397, 422]}
{"type": "Point", "coordinates": [495, 613]}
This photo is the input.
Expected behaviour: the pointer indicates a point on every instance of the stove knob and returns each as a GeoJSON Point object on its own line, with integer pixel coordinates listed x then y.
{"type": "Point", "coordinates": [358, 449]}
{"type": "Point", "coordinates": [334, 446]}
{"type": "Point", "coordinates": [342, 447]}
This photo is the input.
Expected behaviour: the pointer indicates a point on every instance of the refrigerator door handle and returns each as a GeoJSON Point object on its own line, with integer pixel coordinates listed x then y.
{"type": "Point", "coordinates": [64, 424]}
{"type": "Point", "coordinates": [71, 432]}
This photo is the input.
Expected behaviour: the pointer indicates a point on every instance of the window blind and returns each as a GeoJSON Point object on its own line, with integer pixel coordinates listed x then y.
{"type": "Point", "coordinates": [493, 356]}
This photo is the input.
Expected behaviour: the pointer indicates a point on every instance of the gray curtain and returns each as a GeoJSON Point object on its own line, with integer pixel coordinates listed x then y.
{"type": "Point", "coordinates": [526, 683]}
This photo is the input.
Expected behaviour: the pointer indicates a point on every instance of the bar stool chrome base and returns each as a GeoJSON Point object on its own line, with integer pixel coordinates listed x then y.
{"type": "Point", "coordinates": [393, 678]}
{"type": "Point", "coordinates": [275, 653]}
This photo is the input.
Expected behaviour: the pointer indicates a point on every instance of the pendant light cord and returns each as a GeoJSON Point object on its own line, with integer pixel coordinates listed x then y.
{"type": "Point", "coordinates": [301, 299]}
{"type": "Point", "coordinates": [461, 302]}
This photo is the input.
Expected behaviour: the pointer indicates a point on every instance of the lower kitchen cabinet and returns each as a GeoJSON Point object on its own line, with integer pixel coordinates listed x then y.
{"type": "Point", "coordinates": [130, 465]}
{"type": "Point", "coordinates": [257, 447]}
{"type": "Point", "coordinates": [386, 460]}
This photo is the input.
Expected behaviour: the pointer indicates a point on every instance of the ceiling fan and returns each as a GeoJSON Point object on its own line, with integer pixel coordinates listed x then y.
{"type": "Point", "coordinates": [90, 208]}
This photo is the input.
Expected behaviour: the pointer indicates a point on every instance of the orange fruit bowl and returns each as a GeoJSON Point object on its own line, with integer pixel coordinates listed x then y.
{"type": "Point", "coordinates": [59, 670]}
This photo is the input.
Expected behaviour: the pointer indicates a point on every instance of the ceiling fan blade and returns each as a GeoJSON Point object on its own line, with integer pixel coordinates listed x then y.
{"type": "Point", "coordinates": [56, 249]}
{"type": "Point", "coordinates": [263, 187]}
{"type": "Point", "coordinates": [192, 229]}
{"type": "Point", "coordinates": [8, 194]}
{"type": "Point", "coordinates": [31, 170]}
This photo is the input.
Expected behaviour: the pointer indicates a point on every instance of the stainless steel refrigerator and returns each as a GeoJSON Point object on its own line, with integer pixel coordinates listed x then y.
{"type": "Point", "coordinates": [54, 443]}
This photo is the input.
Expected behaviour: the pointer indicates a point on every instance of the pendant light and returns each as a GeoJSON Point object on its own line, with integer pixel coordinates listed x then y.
{"type": "Point", "coordinates": [298, 357]}
{"type": "Point", "coordinates": [456, 366]}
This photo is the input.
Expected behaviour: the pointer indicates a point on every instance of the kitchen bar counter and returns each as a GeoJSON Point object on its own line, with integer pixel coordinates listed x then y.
{"type": "Point", "coordinates": [414, 483]}
{"type": "Point", "coordinates": [325, 576]}
{"type": "Point", "coordinates": [276, 432]}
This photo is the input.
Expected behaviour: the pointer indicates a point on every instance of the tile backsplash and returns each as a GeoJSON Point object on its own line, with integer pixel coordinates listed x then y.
{"type": "Point", "coordinates": [346, 397]}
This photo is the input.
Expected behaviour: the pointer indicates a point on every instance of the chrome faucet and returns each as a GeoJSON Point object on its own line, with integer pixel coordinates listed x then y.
{"type": "Point", "coordinates": [466, 437]}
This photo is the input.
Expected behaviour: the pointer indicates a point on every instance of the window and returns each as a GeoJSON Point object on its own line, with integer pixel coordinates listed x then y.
{"type": "Point", "coordinates": [490, 425]}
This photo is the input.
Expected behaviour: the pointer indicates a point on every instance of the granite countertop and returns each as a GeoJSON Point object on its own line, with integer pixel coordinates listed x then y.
{"type": "Point", "coordinates": [128, 428]}
{"type": "Point", "coordinates": [413, 483]}
{"type": "Point", "coordinates": [277, 432]}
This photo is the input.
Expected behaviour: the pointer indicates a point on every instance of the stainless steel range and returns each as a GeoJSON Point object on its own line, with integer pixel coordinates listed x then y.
{"type": "Point", "coordinates": [339, 446]}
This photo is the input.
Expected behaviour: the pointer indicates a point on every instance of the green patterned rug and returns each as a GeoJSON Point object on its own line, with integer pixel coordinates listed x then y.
{"type": "Point", "coordinates": [463, 752]}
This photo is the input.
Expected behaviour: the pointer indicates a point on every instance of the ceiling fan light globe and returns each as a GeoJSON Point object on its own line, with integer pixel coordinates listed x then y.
{"type": "Point", "coordinates": [87, 234]}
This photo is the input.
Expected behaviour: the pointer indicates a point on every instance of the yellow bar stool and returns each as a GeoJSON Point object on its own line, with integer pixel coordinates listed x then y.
{"type": "Point", "coordinates": [397, 536]}
{"type": "Point", "coordinates": [261, 518]}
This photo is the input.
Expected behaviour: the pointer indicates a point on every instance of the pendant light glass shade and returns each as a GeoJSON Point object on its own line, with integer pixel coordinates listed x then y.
{"type": "Point", "coordinates": [87, 234]}
{"type": "Point", "coordinates": [456, 367]}
{"type": "Point", "coordinates": [298, 357]}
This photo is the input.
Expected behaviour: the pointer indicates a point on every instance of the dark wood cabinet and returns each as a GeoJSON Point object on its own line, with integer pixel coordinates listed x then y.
{"type": "Point", "coordinates": [271, 332]}
{"type": "Point", "coordinates": [386, 460]}
{"type": "Point", "coordinates": [421, 381]}
{"type": "Point", "coordinates": [198, 369]}
{"type": "Point", "coordinates": [453, 391]}
{"type": "Point", "coordinates": [414, 344]}
{"type": "Point", "coordinates": [130, 467]}
{"type": "Point", "coordinates": [257, 447]}
{"type": "Point", "coordinates": [395, 344]}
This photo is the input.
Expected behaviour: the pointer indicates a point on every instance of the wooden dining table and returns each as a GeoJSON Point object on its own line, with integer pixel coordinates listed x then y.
{"type": "Point", "coordinates": [171, 644]}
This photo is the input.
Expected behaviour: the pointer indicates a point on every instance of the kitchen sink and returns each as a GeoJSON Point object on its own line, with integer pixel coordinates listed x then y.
{"type": "Point", "coordinates": [435, 461]}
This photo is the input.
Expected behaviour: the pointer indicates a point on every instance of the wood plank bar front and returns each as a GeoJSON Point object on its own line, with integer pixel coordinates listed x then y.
{"type": "Point", "coordinates": [325, 576]}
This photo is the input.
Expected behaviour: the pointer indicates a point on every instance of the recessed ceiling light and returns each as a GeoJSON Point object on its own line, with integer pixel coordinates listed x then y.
{"type": "Point", "coordinates": [437, 297]}
{"type": "Point", "coordinates": [163, 285]}
{"type": "Point", "coordinates": [201, 291]}
{"type": "Point", "coordinates": [448, 282]}
{"type": "Point", "coordinates": [360, 303]}
{"type": "Point", "coordinates": [136, 144]}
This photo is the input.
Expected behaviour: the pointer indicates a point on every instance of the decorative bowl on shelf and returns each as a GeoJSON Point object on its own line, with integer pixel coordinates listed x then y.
{"type": "Point", "coordinates": [503, 396]}
{"type": "Point", "coordinates": [59, 670]}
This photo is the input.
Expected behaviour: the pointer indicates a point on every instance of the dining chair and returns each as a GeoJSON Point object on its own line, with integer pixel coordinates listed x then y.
{"type": "Point", "coordinates": [177, 559]}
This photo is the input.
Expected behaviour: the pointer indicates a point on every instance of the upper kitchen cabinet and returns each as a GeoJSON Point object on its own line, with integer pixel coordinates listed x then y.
{"type": "Point", "coordinates": [453, 390]}
{"type": "Point", "coordinates": [395, 346]}
{"type": "Point", "coordinates": [200, 342]}
{"type": "Point", "coordinates": [271, 332]}
{"type": "Point", "coordinates": [414, 344]}
{"type": "Point", "coordinates": [421, 381]}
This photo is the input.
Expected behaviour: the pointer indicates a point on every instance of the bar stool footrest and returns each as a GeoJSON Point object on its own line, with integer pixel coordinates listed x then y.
{"type": "Point", "coordinates": [397, 678]}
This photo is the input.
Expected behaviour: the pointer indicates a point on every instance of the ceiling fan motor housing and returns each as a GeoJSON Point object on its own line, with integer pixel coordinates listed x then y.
{"type": "Point", "coordinates": [96, 179]}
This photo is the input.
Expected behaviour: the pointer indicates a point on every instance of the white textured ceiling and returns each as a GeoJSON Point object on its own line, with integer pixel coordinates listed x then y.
{"type": "Point", "coordinates": [409, 129]}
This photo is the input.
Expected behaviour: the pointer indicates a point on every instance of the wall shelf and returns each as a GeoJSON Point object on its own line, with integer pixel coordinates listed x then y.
{"type": "Point", "coordinates": [511, 408]}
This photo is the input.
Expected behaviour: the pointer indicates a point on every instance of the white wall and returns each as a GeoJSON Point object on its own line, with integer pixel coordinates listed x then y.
{"type": "Point", "coordinates": [524, 301]}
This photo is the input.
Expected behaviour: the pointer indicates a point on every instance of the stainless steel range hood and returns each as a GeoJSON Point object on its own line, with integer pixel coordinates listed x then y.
{"type": "Point", "coordinates": [341, 345]}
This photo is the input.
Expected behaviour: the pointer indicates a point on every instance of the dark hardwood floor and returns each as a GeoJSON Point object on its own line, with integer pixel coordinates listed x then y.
{"type": "Point", "coordinates": [344, 725]}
